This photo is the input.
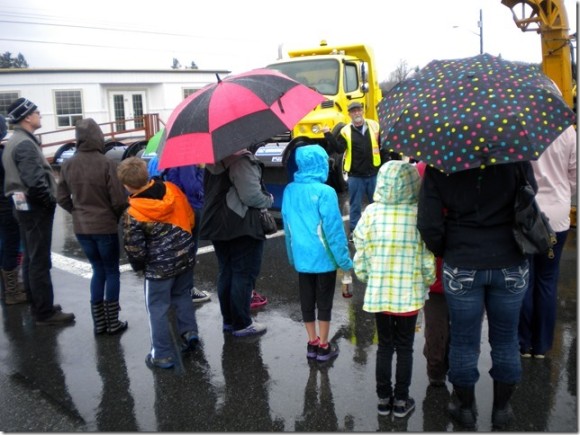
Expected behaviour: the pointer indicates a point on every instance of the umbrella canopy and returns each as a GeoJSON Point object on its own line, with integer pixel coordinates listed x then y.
{"type": "Point", "coordinates": [467, 113]}
{"type": "Point", "coordinates": [153, 142]}
{"type": "Point", "coordinates": [232, 114]}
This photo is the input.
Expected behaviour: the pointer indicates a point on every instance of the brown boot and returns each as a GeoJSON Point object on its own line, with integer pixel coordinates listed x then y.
{"type": "Point", "coordinates": [13, 294]}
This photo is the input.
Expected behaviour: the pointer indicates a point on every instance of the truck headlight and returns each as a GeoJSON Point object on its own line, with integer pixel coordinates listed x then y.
{"type": "Point", "coordinates": [316, 129]}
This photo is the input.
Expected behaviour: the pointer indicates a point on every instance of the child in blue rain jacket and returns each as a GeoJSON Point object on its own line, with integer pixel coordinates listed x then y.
{"type": "Point", "coordinates": [316, 244]}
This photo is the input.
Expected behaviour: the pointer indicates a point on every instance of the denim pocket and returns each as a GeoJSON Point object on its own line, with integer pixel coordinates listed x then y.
{"type": "Point", "coordinates": [516, 278]}
{"type": "Point", "coordinates": [456, 280]}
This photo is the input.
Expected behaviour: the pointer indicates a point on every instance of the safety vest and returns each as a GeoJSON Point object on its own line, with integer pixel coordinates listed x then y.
{"type": "Point", "coordinates": [346, 132]}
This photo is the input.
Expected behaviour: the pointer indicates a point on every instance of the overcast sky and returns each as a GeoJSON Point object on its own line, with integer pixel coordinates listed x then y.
{"type": "Point", "coordinates": [242, 35]}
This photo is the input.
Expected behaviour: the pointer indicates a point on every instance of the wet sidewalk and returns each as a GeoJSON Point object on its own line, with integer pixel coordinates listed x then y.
{"type": "Point", "coordinates": [63, 379]}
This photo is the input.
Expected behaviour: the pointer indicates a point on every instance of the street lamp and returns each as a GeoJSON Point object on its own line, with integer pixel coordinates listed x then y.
{"type": "Point", "coordinates": [480, 33]}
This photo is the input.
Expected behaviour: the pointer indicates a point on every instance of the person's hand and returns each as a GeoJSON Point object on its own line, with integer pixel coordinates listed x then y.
{"type": "Point", "coordinates": [325, 129]}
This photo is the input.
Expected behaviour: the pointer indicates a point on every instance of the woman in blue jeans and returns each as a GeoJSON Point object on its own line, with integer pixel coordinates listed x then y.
{"type": "Point", "coordinates": [90, 190]}
{"type": "Point", "coordinates": [467, 219]}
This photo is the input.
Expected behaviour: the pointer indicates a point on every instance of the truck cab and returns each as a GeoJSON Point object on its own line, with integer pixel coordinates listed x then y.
{"type": "Point", "coordinates": [344, 74]}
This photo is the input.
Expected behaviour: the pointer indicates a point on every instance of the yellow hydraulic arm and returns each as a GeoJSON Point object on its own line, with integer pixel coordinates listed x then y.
{"type": "Point", "coordinates": [549, 19]}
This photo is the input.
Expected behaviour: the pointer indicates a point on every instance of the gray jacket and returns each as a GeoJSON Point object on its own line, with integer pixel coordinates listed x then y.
{"type": "Point", "coordinates": [28, 171]}
{"type": "Point", "coordinates": [233, 196]}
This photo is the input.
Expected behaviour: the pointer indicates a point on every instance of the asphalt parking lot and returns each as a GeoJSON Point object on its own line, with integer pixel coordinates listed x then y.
{"type": "Point", "coordinates": [63, 379]}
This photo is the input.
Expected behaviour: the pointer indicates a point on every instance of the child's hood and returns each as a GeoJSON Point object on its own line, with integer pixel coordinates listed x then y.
{"type": "Point", "coordinates": [398, 182]}
{"type": "Point", "coordinates": [155, 204]}
{"type": "Point", "coordinates": [312, 162]}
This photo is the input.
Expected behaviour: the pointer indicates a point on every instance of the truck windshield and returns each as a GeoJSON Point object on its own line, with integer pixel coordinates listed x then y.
{"type": "Point", "coordinates": [319, 74]}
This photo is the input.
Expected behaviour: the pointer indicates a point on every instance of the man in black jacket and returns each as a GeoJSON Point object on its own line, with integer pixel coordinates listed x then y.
{"type": "Point", "coordinates": [30, 182]}
{"type": "Point", "coordinates": [360, 142]}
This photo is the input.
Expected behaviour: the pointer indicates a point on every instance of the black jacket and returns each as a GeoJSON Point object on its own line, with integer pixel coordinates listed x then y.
{"type": "Point", "coordinates": [467, 217]}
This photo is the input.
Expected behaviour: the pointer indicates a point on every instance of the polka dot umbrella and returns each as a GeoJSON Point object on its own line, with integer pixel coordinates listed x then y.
{"type": "Point", "coordinates": [472, 112]}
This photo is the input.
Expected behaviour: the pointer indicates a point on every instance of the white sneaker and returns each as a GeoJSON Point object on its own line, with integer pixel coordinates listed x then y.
{"type": "Point", "coordinates": [254, 328]}
{"type": "Point", "coordinates": [198, 296]}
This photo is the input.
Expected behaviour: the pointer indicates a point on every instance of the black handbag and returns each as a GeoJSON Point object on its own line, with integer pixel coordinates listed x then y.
{"type": "Point", "coordinates": [268, 222]}
{"type": "Point", "coordinates": [532, 229]}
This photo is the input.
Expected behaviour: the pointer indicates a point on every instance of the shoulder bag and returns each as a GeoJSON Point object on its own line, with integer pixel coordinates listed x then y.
{"type": "Point", "coordinates": [532, 229]}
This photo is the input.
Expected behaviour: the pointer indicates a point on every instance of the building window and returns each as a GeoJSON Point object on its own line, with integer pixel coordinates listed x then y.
{"type": "Point", "coordinates": [188, 91]}
{"type": "Point", "coordinates": [6, 99]}
{"type": "Point", "coordinates": [69, 108]}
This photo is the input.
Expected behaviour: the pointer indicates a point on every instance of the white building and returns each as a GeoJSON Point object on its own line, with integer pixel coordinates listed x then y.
{"type": "Point", "coordinates": [116, 99]}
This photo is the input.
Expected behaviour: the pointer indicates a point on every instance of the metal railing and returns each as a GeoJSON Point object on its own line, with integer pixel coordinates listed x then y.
{"type": "Point", "coordinates": [150, 124]}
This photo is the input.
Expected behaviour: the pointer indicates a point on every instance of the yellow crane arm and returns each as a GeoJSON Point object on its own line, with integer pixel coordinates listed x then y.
{"type": "Point", "coordinates": [549, 19]}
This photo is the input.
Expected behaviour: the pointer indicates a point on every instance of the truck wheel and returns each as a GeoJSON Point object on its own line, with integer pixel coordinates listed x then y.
{"type": "Point", "coordinates": [336, 129]}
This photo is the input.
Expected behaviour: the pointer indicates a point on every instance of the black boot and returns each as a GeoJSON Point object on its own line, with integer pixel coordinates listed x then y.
{"type": "Point", "coordinates": [114, 325]}
{"type": "Point", "coordinates": [462, 408]}
{"type": "Point", "coordinates": [99, 320]}
{"type": "Point", "coordinates": [502, 413]}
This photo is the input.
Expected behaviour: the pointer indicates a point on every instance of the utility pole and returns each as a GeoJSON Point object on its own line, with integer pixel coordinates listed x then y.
{"type": "Point", "coordinates": [480, 25]}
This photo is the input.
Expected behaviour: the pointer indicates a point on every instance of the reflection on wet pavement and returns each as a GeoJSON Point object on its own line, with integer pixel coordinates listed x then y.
{"type": "Point", "coordinates": [65, 379]}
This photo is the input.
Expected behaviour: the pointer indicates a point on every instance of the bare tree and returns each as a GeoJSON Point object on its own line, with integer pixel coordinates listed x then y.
{"type": "Point", "coordinates": [7, 61]}
{"type": "Point", "coordinates": [400, 73]}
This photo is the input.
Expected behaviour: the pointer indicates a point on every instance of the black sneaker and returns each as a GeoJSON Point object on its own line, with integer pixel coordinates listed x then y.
{"type": "Point", "coordinates": [385, 406]}
{"type": "Point", "coordinates": [198, 296]}
{"type": "Point", "coordinates": [402, 407]}
{"type": "Point", "coordinates": [328, 352]}
{"type": "Point", "coordinates": [311, 351]}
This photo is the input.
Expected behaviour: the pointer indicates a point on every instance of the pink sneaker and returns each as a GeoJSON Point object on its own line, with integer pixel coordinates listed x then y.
{"type": "Point", "coordinates": [257, 300]}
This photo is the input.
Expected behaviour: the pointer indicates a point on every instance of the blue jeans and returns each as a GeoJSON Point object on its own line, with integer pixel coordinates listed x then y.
{"type": "Point", "coordinates": [195, 235]}
{"type": "Point", "coordinates": [498, 293]}
{"type": "Point", "coordinates": [538, 315]}
{"type": "Point", "coordinates": [102, 250]}
{"type": "Point", "coordinates": [239, 263]}
{"type": "Point", "coordinates": [357, 187]}
{"type": "Point", "coordinates": [160, 296]}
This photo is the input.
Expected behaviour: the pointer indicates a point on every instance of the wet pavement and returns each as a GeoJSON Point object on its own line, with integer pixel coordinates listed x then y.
{"type": "Point", "coordinates": [63, 379]}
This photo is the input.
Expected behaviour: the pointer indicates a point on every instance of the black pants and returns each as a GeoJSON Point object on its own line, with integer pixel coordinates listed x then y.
{"type": "Point", "coordinates": [396, 334]}
{"type": "Point", "coordinates": [436, 349]}
{"type": "Point", "coordinates": [36, 228]}
{"type": "Point", "coordinates": [316, 292]}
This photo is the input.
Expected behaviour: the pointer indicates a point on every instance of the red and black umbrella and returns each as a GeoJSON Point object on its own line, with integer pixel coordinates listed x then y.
{"type": "Point", "coordinates": [232, 114]}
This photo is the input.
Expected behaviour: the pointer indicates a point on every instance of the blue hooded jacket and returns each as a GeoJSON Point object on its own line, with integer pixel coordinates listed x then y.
{"type": "Point", "coordinates": [315, 236]}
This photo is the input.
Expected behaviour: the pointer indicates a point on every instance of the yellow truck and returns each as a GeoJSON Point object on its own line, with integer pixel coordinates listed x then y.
{"type": "Point", "coordinates": [342, 73]}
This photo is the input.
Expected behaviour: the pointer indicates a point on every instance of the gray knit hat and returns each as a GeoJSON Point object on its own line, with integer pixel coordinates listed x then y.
{"type": "Point", "coordinates": [20, 109]}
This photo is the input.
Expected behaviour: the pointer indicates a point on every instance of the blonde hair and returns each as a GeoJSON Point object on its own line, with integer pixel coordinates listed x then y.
{"type": "Point", "coordinates": [133, 172]}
